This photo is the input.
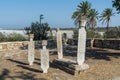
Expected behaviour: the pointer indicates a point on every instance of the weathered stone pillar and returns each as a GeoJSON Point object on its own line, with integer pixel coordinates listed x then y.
{"type": "Point", "coordinates": [31, 50]}
{"type": "Point", "coordinates": [81, 43]}
{"type": "Point", "coordinates": [59, 44]}
{"type": "Point", "coordinates": [44, 57]}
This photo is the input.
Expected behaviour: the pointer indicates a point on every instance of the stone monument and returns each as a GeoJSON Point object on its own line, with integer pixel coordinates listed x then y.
{"type": "Point", "coordinates": [44, 57]}
{"type": "Point", "coordinates": [59, 44]}
{"type": "Point", "coordinates": [73, 67]}
{"type": "Point", "coordinates": [31, 50]}
{"type": "Point", "coordinates": [81, 46]}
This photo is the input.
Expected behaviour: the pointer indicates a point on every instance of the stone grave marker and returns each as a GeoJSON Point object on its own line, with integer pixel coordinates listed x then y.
{"type": "Point", "coordinates": [81, 47]}
{"type": "Point", "coordinates": [59, 44]}
{"type": "Point", "coordinates": [44, 57]}
{"type": "Point", "coordinates": [31, 50]}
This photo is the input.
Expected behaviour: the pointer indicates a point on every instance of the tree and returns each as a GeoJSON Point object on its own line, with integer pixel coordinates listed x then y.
{"type": "Point", "coordinates": [116, 4]}
{"type": "Point", "coordinates": [81, 11]}
{"type": "Point", "coordinates": [39, 30]}
{"type": "Point", "coordinates": [77, 16]}
{"type": "Point", "coordinates": [93, 15]}
{"type": "Point", "coordinates": [106, 16]}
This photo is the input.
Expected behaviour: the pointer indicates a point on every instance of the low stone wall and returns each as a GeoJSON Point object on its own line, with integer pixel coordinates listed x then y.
{"type": "Point", "coordinates": [107, 43]}
{"type": "Point", "coordinates": [99, 43]}
{"type": "Point", "coordinates": [24, 45]}
{"type": "Point", "coordinates": [13, 45]}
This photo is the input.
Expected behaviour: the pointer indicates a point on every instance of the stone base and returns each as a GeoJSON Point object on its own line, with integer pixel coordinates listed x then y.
{"type": "Point", "coordinates": [81, 67]}
{"type": "Point", "coordinates": [70, 66]}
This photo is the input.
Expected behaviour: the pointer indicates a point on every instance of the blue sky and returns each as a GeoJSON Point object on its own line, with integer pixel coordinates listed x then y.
{"type": "Point", "coordinates": [21, 13]}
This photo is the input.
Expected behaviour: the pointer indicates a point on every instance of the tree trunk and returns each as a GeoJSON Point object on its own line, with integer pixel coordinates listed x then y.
{"type": "Point", "coordinates": [108, 26]}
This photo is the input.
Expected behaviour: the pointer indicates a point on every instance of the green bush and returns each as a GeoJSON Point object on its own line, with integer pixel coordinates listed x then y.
{"type": "Point", "coordinates": [112, 33]}
{"type": "Point", "coordinates": [93, 34]}
{"type": "Point", "coordinates": [90, 34]}
{"type": "Point", "coordinates": [39, 30]}
{"type": "Point", "coordinates": [75, 36]}
{"type": "Point", "coordinates": [2, 37]}
{"type": "Point", "coordinates": [15, 37]}
{"type": "Point", "coordinates": [12, 37]}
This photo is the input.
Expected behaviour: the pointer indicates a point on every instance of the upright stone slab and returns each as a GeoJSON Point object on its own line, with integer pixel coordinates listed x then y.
{"type": "Point", "coordinates": [81, 44]}
{"type": "Point", "coordinates": [44, 57]}
{"type": "Point", "coordinates": [59, 44]}
{"type": "Point", "coordinates": [31, 50]}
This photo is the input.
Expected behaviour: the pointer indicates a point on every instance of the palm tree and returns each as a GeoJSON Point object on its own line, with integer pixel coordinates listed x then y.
{"type": "Point", "coordinates": [116, 4]}
{"type": "Point", "coordinates": [76, 16]}
{"type": "Point", "coordinates": [106, 16]}
{"type": "Point", "coordinates": [81, 11]}
{"type": "Point", "coordinates": [93, 15]}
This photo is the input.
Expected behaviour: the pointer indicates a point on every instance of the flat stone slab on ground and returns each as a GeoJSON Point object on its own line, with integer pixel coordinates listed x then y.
{"type": "Point", "coordinates": [69, 61]}
{"type": "Point", "coordinates": [69, 65]}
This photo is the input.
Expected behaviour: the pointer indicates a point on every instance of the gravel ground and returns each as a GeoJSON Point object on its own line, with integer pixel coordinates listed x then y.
{"type": "Point", "coordinates": [104, 65]}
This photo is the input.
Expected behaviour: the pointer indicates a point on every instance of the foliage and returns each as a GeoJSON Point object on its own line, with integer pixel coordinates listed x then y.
{"type": "Point", "coordinates": [15, 37]}
{"type": "Point", "coordinates": [92, 16]}
{"type": "Point", "coordinates": [39, 30]}
{"type": "Point", "coordinates": [82, 10]}
{"type": "Point", "coordinates": [75, 36]}
{"type": "Point", "coordinates": [106, 16]}
{"type": "Point", "coordinates": [93, 34]}
{"type": "Point", "coordinates": [12, 37]}
{"type": "Point", "coordinates": [90, 34]}
{"type": "Point", "coordinates": [112, 33]}
{"type": "Point", "coordinates": [27, 30]}
{"type": "Point", "coordinates": [116, 4]}
{"type": "Point", "coordinates": [2, 36]}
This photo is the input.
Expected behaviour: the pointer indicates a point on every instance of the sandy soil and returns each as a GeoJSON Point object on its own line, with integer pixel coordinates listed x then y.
{"type": "Point", "coordinates": [104, 65]}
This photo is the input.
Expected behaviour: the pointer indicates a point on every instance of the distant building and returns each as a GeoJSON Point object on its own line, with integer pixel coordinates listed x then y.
{"type": "Point", "coordinates": [69, 33]}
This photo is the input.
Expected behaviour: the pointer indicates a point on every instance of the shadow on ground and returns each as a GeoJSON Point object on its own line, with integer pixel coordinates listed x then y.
{"type": "Point", "coordinates": [92, 53]}
{"type": "Point", "coordinates": [26, 65]}
{"type": "Point", "coordinates": [101, 54]}
{"type": "Point", "coordinates": [21, 75]}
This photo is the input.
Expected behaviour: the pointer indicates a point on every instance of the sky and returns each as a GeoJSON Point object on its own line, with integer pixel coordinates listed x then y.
{"type": "Point", "coordinates": [57, 13]}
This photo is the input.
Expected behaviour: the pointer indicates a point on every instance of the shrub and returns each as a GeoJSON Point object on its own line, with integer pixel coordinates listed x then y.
{"type": "Point", "coordinates": [2, 37]}
{"type": "Point", "coordinates": [39, 30]}
{"type": "Point", "coordinates": [93, 34]}
{"type": "Point", "coordinates": [112, 33]}
{"type": "Point", "coordinates": [75, 36]}
{"type": "Point", "coordinates": [15, 37]}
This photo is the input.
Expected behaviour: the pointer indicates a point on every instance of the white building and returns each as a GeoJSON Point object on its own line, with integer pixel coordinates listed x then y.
{"type": "Point", "coordinates": [69, 33]}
